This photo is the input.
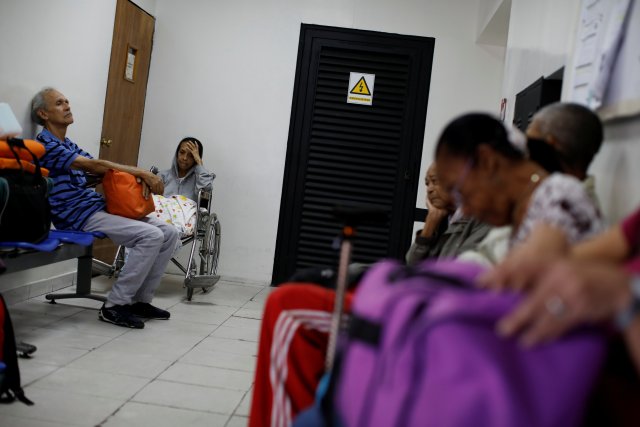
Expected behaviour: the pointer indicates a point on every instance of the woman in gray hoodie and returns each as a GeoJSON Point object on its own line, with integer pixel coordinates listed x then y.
{"type": "Point", "coordinates": [187, 175]}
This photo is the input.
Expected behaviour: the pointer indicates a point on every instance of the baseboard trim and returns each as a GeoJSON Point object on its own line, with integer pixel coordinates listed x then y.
{"type": "Point", "coordinates": [38, 288]}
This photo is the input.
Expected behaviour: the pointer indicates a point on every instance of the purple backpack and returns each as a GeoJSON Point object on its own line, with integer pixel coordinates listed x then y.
{"type": "Point", "coordinates": [422, 351]}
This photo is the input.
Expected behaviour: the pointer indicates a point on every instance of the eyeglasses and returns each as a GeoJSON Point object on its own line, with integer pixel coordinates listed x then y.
{"type": "Point", "coordinates": [455, 190]}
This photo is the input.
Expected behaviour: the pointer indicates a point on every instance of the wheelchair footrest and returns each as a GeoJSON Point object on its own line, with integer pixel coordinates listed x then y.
{"type": "Point", "coordinates": [102, 268]}
{"type": "Point", "coordinates": [201, 281]}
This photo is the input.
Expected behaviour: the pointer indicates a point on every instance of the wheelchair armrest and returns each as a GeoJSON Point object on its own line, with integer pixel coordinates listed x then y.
{"type": "Point", "coordinates": [204, 198]}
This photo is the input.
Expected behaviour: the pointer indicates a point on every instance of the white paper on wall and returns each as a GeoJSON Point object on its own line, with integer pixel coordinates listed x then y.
{"type": "Point", "coordinates": [604, 56]}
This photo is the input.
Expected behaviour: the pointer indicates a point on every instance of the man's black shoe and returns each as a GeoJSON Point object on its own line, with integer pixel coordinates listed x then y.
{"type": "Point", "coordinates": [146, 310]}
{"type": "Point", "coordinates": [120, 315]}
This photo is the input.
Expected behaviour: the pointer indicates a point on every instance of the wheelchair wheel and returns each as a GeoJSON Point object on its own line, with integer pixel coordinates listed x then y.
{"type": "Point", "coordinates": [210, 250]}
{"type": "Point", "coordinates": [203, 269]}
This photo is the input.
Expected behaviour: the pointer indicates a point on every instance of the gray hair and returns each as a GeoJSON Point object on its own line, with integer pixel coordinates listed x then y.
{"type": "Point", "coordinates": [577, 130]}
{"type": "Point", "coordinates": [39, 103]}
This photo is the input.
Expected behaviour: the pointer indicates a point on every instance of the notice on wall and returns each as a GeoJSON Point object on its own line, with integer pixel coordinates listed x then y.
{"type": "Point", "coordinates": [622, 97]}
{"type": "Point", "coordinates": [360, 88]}
{"type": "Point", "coordinates": [606, 63]}
{"type": "Point", "coordinates": [130, 64]}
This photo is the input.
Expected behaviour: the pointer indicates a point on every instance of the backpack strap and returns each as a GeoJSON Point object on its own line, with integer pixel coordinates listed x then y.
{"type": "Point", "coordinates": [408, 272]}
{"type": "Point", "coordinates": [364, 330]}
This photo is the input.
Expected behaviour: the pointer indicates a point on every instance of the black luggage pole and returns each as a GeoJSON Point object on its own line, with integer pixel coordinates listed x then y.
{"type": "Point", "coordinates": [341, 288]}
{"type": "Point", "coordinates": [351, 216]}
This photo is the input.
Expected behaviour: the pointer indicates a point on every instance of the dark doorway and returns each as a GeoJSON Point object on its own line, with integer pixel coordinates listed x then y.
{"type": "Point", "coordinates": [543, 91]}
{"type": "Point", "coordinates": [341, 152]}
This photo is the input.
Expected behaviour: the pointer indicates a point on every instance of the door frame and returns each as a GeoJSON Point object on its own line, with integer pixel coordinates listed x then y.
{"type": "Point", "coordinates": [124, 20]}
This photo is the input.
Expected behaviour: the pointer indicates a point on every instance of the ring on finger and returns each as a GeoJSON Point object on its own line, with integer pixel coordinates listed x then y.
{"type": "Point", "coordinates": [556, 306]}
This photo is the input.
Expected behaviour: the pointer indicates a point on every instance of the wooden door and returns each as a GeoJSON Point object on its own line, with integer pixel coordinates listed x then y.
{"type": "Point", "coordinates": [126, 92]}
{"type": "Point", "coordinates": [341, 152]}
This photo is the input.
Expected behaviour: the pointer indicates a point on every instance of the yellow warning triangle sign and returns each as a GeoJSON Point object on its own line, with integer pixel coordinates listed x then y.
{"type": "Point", "coordinates": [361, 87]}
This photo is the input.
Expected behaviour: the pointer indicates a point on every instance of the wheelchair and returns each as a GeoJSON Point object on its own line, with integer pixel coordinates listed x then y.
{"type": "Point", "coordinates": [202, 265]}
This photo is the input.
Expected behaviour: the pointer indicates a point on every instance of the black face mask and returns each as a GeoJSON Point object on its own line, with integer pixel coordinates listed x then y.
{"type": "Point", "coordinates": [544, 154]}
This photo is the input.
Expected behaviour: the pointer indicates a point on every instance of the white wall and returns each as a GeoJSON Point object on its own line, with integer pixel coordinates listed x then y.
{"type": "Point", "coordinates": [224, 72]}
{"type": "Point", "coordinates": [541, 40]}
{"type": "Point", "coordinates": [243, 113]}
{"type": "Point", "coordinates": [148, 6]}
{"type": "Point", "coordinates": [251, 49]}
{"type": "Point", "coordinates": [65, 44]}
{"type": "Point", "coordinates": [493, 22]}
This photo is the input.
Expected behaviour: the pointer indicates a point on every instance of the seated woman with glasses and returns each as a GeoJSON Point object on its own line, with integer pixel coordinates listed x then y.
{"type": "Point", "coordinates": [488, 173]}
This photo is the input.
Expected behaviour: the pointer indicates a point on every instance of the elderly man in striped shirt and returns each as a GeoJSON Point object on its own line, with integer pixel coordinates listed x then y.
{"type": "Point", "coordinates": [149, 241]}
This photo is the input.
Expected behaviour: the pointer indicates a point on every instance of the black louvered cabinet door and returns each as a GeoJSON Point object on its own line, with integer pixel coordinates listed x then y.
{"type": "Point", "coordinates": [355, 154]}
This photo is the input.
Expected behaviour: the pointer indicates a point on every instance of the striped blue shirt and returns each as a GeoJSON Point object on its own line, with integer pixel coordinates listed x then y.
{"type": "Point", "coordinates": [72, 203]}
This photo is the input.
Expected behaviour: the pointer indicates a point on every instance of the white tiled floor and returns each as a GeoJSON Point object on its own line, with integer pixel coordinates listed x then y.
{"type": "Point", "coordinates": [195, 369]}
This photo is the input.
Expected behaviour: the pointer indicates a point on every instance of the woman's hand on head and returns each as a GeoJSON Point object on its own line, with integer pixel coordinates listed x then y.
{"type": "Point", "coordinates": [193, 149]}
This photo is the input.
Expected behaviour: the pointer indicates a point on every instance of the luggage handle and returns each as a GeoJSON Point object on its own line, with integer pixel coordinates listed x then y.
{"type": "Point", "coordinates": [351, 216]}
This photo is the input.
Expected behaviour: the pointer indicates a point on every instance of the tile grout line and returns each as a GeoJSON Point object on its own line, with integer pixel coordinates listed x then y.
{"type": "Point", "coordinates": [158, 375]}
{"type": "Point", "coordinates": [147, 381]}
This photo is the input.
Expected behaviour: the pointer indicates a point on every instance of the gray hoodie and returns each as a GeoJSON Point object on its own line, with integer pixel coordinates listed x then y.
{"type": "Point", "coordinates": [196, 178]}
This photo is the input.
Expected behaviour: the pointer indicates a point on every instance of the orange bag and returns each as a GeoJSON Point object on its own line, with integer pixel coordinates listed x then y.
{"type": "Point", "coordinates": [27, 166]}
{"type": "Point", "coordinates": [124, 195]}
{"type": "Point", "coordinates": [24, 158]}
{"type": "Point", "coordinates": [34, 146]}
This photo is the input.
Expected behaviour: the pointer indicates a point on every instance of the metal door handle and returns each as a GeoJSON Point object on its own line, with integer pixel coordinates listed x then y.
{"type": "Point", "coordinates": [106, 142]}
